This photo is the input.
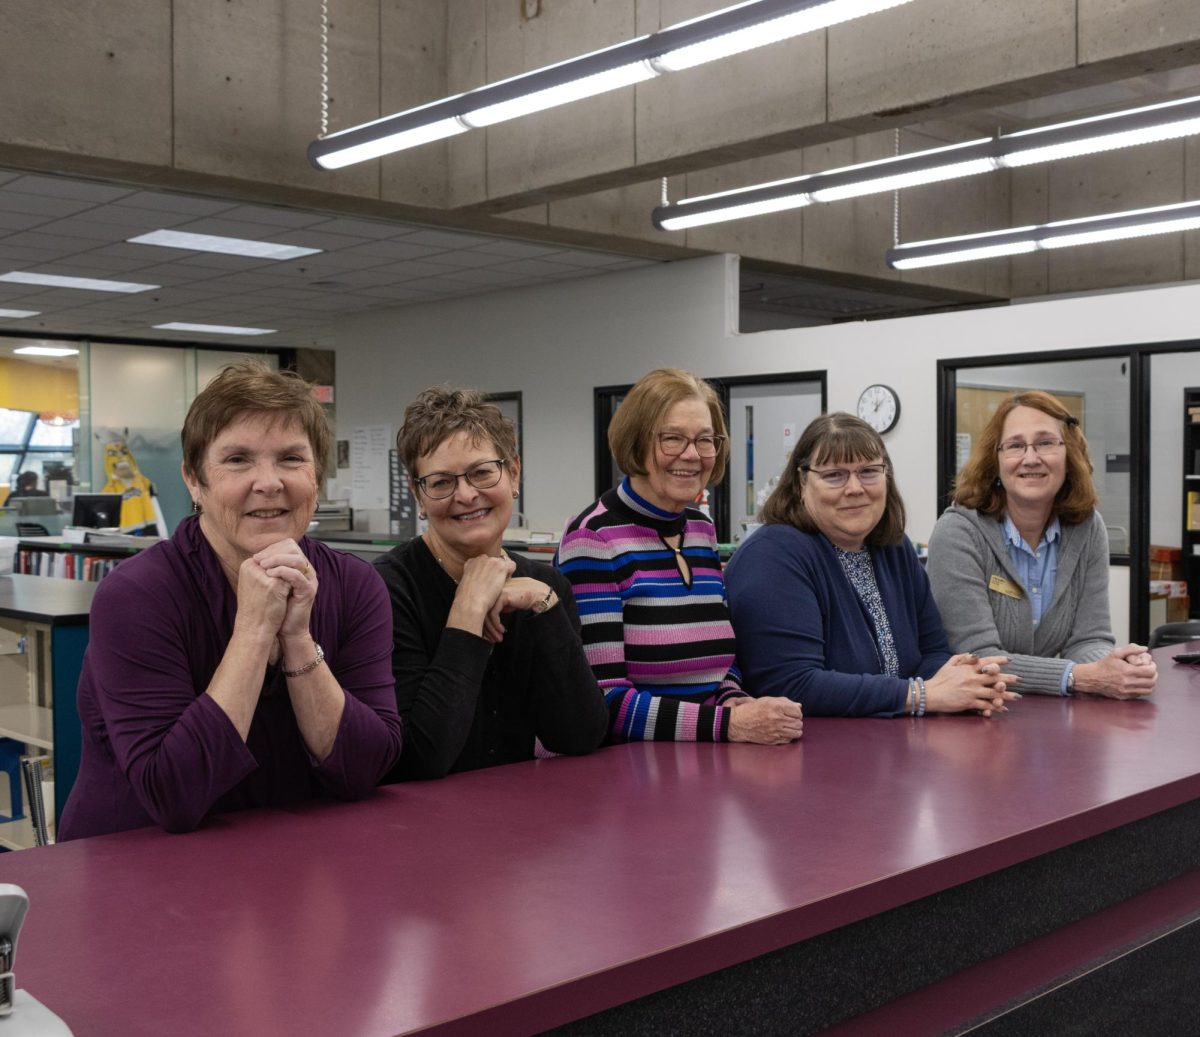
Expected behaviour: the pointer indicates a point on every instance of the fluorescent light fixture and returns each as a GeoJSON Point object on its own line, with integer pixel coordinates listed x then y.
{"type": "Point", "coordinates": [898, 172]}
{"type": "Point", "coordinates": [551, 97]}
{"type": "Point", "coordinates": [20, 313]}
{"type": "Point", "coordinates": [1163, 219]}
{"type": "Point", "coordinates": [773, 197]}
{"type": "Point", "coordinates": [782, 27]}
{"type": "Point", "coordinates": [732, 30]}
{"type": "Point", "coordinates": [360, 147]}
{"type": "Point", "coordinates": [214, 329]}
{"type": "Point", "coordinates": [226, 246]}
{"type": "Point", "coordinates": [89, 284]}
{"type": "Point", "coordinates": [46, 351]}
{"type": "Point", "coordinates": [1167, 121]}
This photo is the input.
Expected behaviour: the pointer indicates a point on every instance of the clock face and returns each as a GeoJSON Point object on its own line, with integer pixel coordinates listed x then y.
{"type": "Point", "coordinates": [879, 407]}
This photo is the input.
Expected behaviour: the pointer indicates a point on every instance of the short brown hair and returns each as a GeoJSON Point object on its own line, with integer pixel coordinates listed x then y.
{"type": "Point", "coordinates": [836, 438]}
{"type": "Point", "coordinates": [439, 412]}
{"type": "Point", "coordinates": [251, 387]}
{"type": "Point", "coordinates": [633, 428]}
{"type": "Point", "coordinates": [978, 485]}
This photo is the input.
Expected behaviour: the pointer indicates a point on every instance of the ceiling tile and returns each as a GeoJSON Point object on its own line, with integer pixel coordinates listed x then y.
{"type": "Point", "coordinates": [444, 239]}
{"type": "Point", "coordinates": [517, 249]}
{"type": "Point", "coordinates": [175, 203]}
{"type": "Point", "coordinates": [62, 187]}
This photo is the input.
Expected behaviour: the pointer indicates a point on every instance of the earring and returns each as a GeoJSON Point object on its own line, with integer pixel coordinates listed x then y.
{"type": "Point", "coordinates": [421, 515]}
{"type": "Point", "coordinates": [195, 507]}
{"type": "Point", "coordinates": [515, 495]}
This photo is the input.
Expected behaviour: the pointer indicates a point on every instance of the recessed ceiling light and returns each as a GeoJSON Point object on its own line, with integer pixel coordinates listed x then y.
{"type": "Point", "coordinates": [46, 351]}
{"type": "Point", "coordinates": [227, 246]}
{"type": "Point", "coordinates": [19, 313]}
{"type": "Point", "coordinates": [214, 329]}
{"type": "Point", "coordinates": [90, 284]}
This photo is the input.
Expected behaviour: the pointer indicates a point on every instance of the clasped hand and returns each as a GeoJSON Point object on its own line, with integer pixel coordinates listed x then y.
{"type": "Point", "coordinates": [1125, 673]}
{"type": "Point", "coordinates": [275, 591]}
{"type": "Point", "coordinates": [488, 589]}
{"type": "Point", "coordinates": [966, 682]}
{"type": "Point", "coordinates": [772, 720]}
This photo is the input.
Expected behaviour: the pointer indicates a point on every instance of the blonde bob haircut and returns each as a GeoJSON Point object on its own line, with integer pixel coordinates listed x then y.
{"type": "Point", "coordinates": [440, 412]}
{"type": "Point", "coordinates": [834, 439]}
{"type": "Point", "coordinates": [632, 431]}
{"type": "Point", "coordinates": [247, 388]}
{"type": "Point", "coordinates": [978, 485]}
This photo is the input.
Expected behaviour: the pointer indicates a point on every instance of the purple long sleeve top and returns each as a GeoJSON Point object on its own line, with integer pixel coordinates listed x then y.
{"type": "Point", "coordinates": [158, 750]}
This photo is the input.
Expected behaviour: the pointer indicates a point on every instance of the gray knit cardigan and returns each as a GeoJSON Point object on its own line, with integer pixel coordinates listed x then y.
{"type": "Point", "coordinates": [967, 549]}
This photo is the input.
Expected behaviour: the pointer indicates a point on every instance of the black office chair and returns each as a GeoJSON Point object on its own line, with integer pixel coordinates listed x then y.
{"type": "Point", "coordinates": [1175, 633]}
{"type": "Point", "coordinates": [32, 529]}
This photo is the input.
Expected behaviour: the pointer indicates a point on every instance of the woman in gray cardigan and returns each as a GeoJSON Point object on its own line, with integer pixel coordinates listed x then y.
{"type": "Point", "coordinates": [1019, 562]}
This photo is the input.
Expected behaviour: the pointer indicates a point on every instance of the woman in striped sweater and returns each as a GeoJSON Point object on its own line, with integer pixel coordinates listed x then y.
{"type": "Point", "coordinates": [646, 577]}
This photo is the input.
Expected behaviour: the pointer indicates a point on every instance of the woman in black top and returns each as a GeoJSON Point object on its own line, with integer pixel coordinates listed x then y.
{"type": "Point", "coordinates": [487, 655]}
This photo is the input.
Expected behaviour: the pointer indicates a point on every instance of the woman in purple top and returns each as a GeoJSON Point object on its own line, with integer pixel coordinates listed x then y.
{"type": "Point", "coordinates": [239, 663]}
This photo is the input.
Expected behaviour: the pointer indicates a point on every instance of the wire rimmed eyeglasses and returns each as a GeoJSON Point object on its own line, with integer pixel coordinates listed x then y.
{"type": "Point", "coordinates": [440, 485]}
{"type": "Point", "coordinates": [675, 443]}
{"type": "Point", "coordinates": [1015, 448]}
{"type": "Point", "coordinates": [836, 478]}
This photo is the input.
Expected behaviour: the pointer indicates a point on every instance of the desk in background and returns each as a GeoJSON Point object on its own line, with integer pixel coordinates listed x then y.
{"type": "Point", "coordinates": [37, 696]}
{"type": "Point", "coordinates": [519, 898]}
{"type": "Point", "coordinates": [369, 546]}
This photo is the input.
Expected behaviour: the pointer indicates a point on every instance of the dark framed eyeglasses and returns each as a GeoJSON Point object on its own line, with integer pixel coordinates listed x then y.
{"type": "Point", "coordinates": [675, 443]}
{"type": "Point", "coordinates": [836, 478]}
{"type": "Point", "coordinates": [440, 485]}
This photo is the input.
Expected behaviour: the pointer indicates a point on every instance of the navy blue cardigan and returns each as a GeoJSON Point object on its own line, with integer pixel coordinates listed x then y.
{"type": "Point", "coordinates": [803, 633]}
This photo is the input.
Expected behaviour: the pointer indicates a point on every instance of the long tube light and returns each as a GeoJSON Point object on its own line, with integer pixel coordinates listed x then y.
{"type": "Point", "coordinates": [1156, 122]}
{"type": "Point", "coordinates": [733, 30]}
{"type": "Point", "coordinates": [1163, 219]}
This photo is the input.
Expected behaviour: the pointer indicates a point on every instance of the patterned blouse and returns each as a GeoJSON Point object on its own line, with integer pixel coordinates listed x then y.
{"type": "Point", "coordinates": [861, 574]}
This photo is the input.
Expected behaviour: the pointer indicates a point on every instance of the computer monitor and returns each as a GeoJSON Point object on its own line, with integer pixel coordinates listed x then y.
{"type": "Point", "coordinates": [97, 510]}
{"type": "Point", "coordinates": [28, 507]}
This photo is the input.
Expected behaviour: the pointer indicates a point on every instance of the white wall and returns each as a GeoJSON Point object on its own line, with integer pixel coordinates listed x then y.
{"type": "Point", "coordinates": [556, 342]}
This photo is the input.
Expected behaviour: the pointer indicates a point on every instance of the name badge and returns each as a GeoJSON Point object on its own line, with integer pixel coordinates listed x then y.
{"type": "Point", "coordinates": [1002, 586]}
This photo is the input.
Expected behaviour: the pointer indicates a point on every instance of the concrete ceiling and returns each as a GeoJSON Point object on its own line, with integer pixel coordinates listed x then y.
{"type": "Point", "coordinates": [126, 117]}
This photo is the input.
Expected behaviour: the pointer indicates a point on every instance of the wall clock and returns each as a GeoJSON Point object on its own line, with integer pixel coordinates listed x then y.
{"type": "Point", "coordinates": [879, 407]}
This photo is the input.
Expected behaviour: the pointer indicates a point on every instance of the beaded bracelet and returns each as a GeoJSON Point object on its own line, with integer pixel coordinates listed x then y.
{"type": "Point", "coordinates": [921, 686]}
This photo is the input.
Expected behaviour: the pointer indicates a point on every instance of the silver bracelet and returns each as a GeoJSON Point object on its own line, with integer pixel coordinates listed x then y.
{"type": "Point", "coordinates": [309, 667]}
{"type": "Point", "coordinates": [921, 685]}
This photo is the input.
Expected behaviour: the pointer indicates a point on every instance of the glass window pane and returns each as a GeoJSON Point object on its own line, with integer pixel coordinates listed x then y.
{"type": "Point", "coordinates": [8, 465]}
{"type": "Point", "coordinates": [14, 426]}
{"type": "Point", "coordinates": [1174, 454]}
{"type": "Point", "coordinates": [48, 433]}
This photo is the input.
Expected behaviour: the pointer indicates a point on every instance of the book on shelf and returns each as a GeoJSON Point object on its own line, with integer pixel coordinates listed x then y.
{"type": "Point", "coordinates": [63, 565]}
{"type": "Point", "coordinates": [1193, 511]}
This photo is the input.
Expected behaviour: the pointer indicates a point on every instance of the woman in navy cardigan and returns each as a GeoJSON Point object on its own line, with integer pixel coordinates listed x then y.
{"type": "Point", "coordinates": [830, 605]}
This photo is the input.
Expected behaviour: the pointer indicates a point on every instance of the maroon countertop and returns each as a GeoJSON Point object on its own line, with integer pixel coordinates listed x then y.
{"type": "Point", "coordinates": [513, 899]}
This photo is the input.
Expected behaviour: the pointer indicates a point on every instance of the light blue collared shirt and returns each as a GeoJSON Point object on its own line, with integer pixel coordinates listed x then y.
{"type": "Point", "coordinates": [1036, 570]}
